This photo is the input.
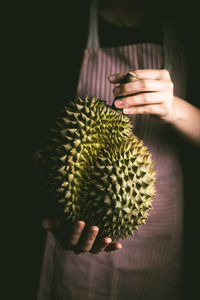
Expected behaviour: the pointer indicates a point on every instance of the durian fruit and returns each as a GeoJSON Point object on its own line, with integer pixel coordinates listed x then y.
{"type": "Point", "coordinates": [98, 170]}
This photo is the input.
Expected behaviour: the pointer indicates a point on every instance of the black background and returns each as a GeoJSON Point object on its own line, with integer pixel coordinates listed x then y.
{"type": "Point", "coordinates": [37, 70]}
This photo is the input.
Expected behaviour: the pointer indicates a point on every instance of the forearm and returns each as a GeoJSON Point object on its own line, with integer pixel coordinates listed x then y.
{"type": "Point", "coordinates": [186, 120]}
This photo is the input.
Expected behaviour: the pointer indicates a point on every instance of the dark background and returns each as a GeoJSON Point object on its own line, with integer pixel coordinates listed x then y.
{"type": "Point", "coordinates": [38, 71]}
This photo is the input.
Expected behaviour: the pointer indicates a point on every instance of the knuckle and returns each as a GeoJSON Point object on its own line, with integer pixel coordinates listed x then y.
{"type": "Point", "coordinates": [165, 73]}
{"type": "Point", "coordinates": [128, 88]}
{"type": "Point", "coordinates": [128, 101]}
{"type": "Point", "coordinates": [77, 230]}
{"type": "Point", "coordinates": [135, 72]}
{"type": "Point", "coordinates": [144, 84]}
{"type": "Point", "coordinates": [146, 98]}
{"type": "Point", "coordinates": [171, 85]}
{"type": "Point", "coordinates": [125, 88]}
{"type": "Point", "coordinates": [147, 110]}
{"type": "Point", "coordinates": [139, 110]}
{"type": "Point", "coordinates": [92, 236]}
{"type": "Point", "coordinates": [121, 88]}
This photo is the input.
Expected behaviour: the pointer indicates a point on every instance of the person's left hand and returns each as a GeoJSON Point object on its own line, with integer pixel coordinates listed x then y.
{"type": "Point", "coordinates": [78, 238]}
{"type": "Point", "coordinates": [151, 93]}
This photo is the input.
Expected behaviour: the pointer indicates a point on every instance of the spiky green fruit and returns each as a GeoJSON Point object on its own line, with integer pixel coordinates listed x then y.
{"type": "Point", "coordinates": [98, 170]}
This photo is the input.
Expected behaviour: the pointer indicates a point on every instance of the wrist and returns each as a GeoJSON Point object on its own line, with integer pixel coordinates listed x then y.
{"type": "Point", "coordinates": [175, 114]}
{"type": "Point", "coordinates": [184, 118]}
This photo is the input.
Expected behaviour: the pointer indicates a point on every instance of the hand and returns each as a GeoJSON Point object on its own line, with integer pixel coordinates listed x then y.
{"type": "Point", "coordinates": [151, 93]}
{"type": "Point", "coordinates": [80, 239]}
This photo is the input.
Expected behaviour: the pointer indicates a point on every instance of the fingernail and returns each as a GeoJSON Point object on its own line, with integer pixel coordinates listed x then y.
{"type": "Point", "coordinates": [79, 224]}
{"type": "Point", "coordinates": [126, 110]}
{"type": "Point", "coordinates": [107, 240]}
{"type": "Point", "coordinates": [118, 102]}
{"type": "Point", "coordinates": [94, 229]}
{"type": "Point", "coordinates": [111, 78]}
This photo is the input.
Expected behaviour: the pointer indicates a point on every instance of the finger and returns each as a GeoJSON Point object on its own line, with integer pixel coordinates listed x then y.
{"type": "Point", "coordinates": [116, 78]}
{"type": "Point", "coordinates": [113, 247]}
{"type": "Point", "coordinates": [50, 223]}
{"type": "Point", "coordinates": [76, 233]}
{"type": "Point", "coordinates": [154, 109]}
{"type": "Point", "coordinates": [142, 99]}
{"type": "Point", "coordinates": [89, 238]}
{"type": "Point", "coordinates": [143, 85]}
{"type": "Point", "coordinates": [101, 245]}
{"type": "Point", "coordinates": [158, 74]}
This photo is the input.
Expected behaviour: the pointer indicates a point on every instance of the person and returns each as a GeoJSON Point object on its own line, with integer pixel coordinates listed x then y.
{"type": "Point", "coordinates": [127, 36]}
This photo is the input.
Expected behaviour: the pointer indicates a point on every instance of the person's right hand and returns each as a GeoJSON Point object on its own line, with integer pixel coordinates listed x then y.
{"type": "Point", "coordinates": [81, 239]}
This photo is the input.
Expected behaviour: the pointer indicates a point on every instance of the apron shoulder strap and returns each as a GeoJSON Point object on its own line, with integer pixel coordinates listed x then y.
{"type": "Point", "coordinates": [93, 40]}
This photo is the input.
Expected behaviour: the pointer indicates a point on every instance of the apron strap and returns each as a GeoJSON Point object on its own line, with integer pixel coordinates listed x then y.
{"type": "Point", "coordinates": [93, 39]}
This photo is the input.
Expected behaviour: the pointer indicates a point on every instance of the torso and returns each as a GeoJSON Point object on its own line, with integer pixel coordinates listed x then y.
{"type": "Point", "coordinates": [149, 264]}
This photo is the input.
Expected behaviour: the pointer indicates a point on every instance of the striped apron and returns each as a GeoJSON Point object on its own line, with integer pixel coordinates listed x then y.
{"type": "Point", "coordinates": [149, 265]}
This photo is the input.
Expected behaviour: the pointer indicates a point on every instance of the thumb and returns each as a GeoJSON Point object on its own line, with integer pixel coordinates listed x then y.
{"type": "Point", "coordinates": [116, 78]}
{"type": "Point", "coordinates": [50, 223]}
{"type": "Point", "coordinates": [123, 77]}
